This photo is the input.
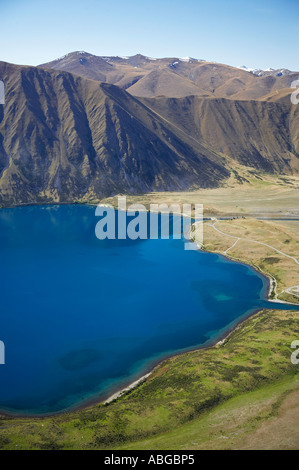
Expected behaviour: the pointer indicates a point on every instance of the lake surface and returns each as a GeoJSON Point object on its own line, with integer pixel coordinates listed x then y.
{"type": "Point", "coordinates": [81, 317]}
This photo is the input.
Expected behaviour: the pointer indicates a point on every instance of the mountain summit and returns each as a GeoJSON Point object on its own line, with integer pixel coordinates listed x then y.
{"type": "Point", "coordinates": [175, 77]}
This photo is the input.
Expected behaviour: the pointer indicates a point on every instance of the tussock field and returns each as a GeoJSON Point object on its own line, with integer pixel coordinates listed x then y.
{"type": "Point", "coordinates": [269, 246]}
{"type": "Point", "coordinates": [258, 195]}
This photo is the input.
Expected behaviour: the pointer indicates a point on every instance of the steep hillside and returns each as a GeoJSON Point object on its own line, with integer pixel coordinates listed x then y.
{"type": "Point", "coordinates": [261, 134]}
{"type": "Point", "coordinates": [65, 138]}
{"type": "Point", "coordinates": [68, 138]}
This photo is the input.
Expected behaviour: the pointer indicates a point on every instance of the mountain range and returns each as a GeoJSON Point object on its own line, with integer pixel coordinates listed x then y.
{"type": "Point", "coordinates": [175, 77]}
{"type": "Point", "coordinates": [84, 127]}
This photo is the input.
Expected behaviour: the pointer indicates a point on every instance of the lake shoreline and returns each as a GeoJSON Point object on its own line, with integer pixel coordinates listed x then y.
{"type": "Point", "coordinates": [131, 384]}
{"type": "Point", "coordinates": [222, 216]}
{"type": "Point", "coordinates": [119, 391]}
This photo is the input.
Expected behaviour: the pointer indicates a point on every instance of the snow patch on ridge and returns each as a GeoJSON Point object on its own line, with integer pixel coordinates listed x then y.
{"type": "Point", "coordinates": [269, 71]}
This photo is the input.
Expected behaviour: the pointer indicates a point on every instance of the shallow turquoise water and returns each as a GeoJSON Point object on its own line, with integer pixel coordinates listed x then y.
{"type": "Point", "coordinates": [81, 317]}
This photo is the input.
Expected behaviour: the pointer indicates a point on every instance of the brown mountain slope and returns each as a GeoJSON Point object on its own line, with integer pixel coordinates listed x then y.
{"type": "Point", "coordinates": [160, 82]}
{"type": "Point", "coordinates": [173, 77]}
{"type": "Point", "coordinates": [254, 133]}
{"type": "Point", "coordinates": [117, 72]}
{"type": "Point", "coordinates": [224, 81]}
{"type": "Point", "coordinates": [64, 138]}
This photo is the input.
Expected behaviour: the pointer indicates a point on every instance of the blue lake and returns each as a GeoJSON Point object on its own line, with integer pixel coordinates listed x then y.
{"type": "Point", "coordinates": [80, 317]}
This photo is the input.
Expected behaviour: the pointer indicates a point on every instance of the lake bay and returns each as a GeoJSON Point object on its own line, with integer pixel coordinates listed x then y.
{"type": "Point", "coordinates": [81, 318]}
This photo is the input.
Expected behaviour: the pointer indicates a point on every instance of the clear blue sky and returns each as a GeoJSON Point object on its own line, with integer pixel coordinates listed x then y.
{"type": "Point", "coordinates": [256, 33]}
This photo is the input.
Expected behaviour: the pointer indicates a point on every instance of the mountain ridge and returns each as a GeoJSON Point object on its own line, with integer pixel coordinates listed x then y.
{"type": "Point", "coordinates": [67, 138]}
{"type": "Point", "coordinates": [78, 137]}
{"type": "Point", "coordinates": [137, 74]}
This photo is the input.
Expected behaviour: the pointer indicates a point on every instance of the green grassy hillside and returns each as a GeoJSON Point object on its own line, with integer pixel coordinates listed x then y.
{"type": "Point", "coordinates": [172, 408]}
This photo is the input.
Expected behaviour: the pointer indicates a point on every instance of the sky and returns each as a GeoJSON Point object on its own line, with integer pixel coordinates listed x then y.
{"type": "Point", "coordinates": [255, 33]}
